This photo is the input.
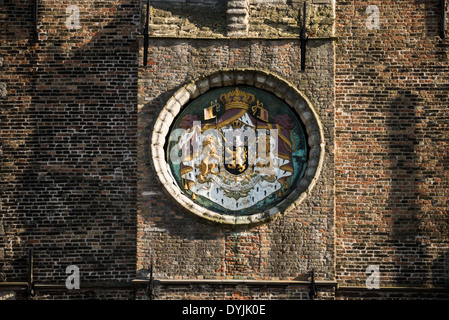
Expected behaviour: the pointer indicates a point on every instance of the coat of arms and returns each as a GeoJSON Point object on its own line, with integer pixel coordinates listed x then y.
{"type": "Point", "coordinates": [238, 149]}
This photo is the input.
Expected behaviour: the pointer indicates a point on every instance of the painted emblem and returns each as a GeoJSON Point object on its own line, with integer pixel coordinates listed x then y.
{"type": "Point", "coordinates": [237, 150]}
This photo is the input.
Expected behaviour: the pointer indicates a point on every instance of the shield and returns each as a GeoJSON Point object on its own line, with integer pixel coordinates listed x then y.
{"type": "Point", "coordinates": [236, 159]}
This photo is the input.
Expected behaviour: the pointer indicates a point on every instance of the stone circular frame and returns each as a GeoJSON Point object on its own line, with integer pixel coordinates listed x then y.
{"type": "Point", "coordinates": [259, 79]}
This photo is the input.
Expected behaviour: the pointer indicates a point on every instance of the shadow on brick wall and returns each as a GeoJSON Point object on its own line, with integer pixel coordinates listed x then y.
{"type": "Point", "coordinates": [404, 169]}
{"type": "Point", "coordinates": [74, 199]}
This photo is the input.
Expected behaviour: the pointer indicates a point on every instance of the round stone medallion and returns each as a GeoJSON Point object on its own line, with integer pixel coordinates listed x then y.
{"type": "Point", "coordinates": [237, 151]}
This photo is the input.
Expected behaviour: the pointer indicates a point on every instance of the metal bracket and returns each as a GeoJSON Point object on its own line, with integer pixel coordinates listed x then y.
{"type": "Point", "coordinates": [303, 37]}
{"type": "Point", "coordinates": [312, 290]}
{"type": "Point", "coordinates": [146, 36]}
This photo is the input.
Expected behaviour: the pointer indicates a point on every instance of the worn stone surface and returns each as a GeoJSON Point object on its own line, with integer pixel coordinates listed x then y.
{"type": "Point", "coordinates": [237, 13]}
{"type": "Point", "coordinates": [285, 20]}
{"type": "Point", "coordinates": [68, 125]}
{"type": "Point", "coordinates": [272, 84]}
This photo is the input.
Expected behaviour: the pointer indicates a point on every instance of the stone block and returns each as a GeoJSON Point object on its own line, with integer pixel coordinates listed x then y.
{"type": "Point", "coordinates": [216, 80]}
{"type": "Point", "coordinates": [182, 95]}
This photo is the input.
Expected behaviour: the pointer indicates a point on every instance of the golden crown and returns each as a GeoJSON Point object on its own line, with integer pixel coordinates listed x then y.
{"type": "Point", "coordinates": [237, 99]}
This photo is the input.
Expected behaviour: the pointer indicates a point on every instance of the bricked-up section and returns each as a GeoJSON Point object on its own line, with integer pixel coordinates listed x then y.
{"type": "Point", "coordinates": [183, 247]}
{"type": "Point", "coordinates": [68, 140]}
{"type": "Point", "coordinates": [392, 140]}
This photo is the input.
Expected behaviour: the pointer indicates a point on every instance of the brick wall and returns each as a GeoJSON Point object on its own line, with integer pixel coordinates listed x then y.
{"type": "Point", "coordinates": [392, 144]}
{"type": "Point", "coordinates": [68, 127]}
{"type": "Point", "coordinates": [184, 247]}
